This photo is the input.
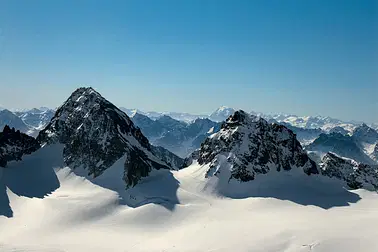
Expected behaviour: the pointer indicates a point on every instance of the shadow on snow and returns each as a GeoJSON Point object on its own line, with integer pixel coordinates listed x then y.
{"type": "Point", "coordinates": [294, 186]}
{"type": "Point", "coordinates": [34, 177]}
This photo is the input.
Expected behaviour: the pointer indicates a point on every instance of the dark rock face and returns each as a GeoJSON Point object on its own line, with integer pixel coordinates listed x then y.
{"type": "Point", "coordinates": [248, 146]}
{"type": "Point", "coordinates": [14, 145]}
{"type": "Point", "coordinates": [356, 175]}
{"type": "Point", "coordinates": [96, 134]}
{"type": "Point", "coordinates": [342, 145]}
{"type": "Point", "coordinates": [375, 153]}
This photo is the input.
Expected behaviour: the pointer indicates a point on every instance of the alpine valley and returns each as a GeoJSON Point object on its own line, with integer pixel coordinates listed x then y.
{"type": "Point", "coordinates": [89, 176]}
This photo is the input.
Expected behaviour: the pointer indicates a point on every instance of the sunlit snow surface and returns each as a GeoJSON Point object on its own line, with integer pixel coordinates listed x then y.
{"type": "Point", "coordinates": [46, 207]}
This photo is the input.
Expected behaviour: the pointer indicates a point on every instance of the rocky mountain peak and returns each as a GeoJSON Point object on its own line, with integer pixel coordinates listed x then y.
{"type": "Point", "coordinates": [240, 117]}
{"type": "Point", "coordinates": [87, 110]}
{"type": "Point", "coordinates": [247, 146]}
{"type": "Point", "coordinates": [96, 134]}
{"type": "Point", "coordinates": [355, 174]}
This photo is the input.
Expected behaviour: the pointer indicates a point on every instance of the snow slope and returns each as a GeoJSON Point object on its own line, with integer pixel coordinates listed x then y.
{"type": "Point", "coordinates": [53, 209]}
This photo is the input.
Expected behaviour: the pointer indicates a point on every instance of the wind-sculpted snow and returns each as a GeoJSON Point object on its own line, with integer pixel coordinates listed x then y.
{"type": "Point", "coordinates": [96, 134]}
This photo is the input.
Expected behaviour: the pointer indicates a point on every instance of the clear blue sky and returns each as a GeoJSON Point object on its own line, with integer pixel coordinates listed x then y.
{"type": "Point", "coordinates": [305, 57]}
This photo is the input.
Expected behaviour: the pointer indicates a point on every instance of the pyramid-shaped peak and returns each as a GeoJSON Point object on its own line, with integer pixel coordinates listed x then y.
{"type": "Point", "coordinates": [85, 92]}
{"type": "Point", "coordinates": [85, 102]}
{"type": "Point", "coordinates": [95, 134]}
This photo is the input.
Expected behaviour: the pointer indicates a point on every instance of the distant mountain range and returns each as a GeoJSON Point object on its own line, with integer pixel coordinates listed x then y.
{"type": "Point", "coordinates": [182, 133]}
{"type": "Point", "coordinates": [327, 124]}
{"type": "Point", "coordinates": [177, 136]}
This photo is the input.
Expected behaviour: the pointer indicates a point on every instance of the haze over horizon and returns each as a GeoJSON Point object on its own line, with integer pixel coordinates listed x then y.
{"type": "Point", "coordinates": [296, 57]}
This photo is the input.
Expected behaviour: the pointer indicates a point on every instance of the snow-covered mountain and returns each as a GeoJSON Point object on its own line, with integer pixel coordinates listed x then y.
{"type": "Point", "coordinates": [14, 145]}
{"type": "Point", "coordinates": [48, 197]}
{"type": "Point", "coordinates": [342, 145]}
{"type": "Point", "coordinates": [218, 115]}
{"type": "Point", "coordinates": [367, 139]}
{"type": "Point", "coordinates": [131, 112]}
{"type": "Point", "coordinates": [365, 134]}
{"type": "Point", "coordinates": [304, 136]}
{"type": "Point", "coordinates": [178, 137]}
{"type": "Point", "coordinates": [152, 129]}
{"type": "Point", "coordinates": [313, 122]}
{"type": "Point", "coordinates": [247, 146]}
{"type": "Point", "coordinates": [325, 123]}
{"type": "Point", "coordinates": [221, 114]}
{"type": "Point", "coordinates": [46, 207]}
{"type": "Point", "coordinates": [357, 175]}
{"type": "Point", "coordinates": [36, 118]}
{"type": "Point", "coordinates": [96, 134]}
{"type": "Point", "coordinates": [180, 116]}
{"type": "Point", "coordinates": [9, 118]}
{"type": "Point", "coordinates": [29, 121]}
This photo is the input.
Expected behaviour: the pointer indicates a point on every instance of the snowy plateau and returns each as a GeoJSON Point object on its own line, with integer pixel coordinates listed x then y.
{"type": "Point", "coordinates": [93, 181]}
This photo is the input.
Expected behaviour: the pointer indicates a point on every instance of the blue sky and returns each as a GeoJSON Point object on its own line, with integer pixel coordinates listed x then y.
{"type": "Point", "coordinates": [312, 57]}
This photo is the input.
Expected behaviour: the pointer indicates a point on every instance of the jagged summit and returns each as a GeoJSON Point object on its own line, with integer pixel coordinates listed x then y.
{"type": "Point", "coordinates": [240, 117]}
{"type": "Point", "coordinates": [96, 134]}
{"type": "Point", "coordinates": [355, 174]}
{"type": "Point", "coordinates": [247, 146]}
{"type": "Point", "coordinates": [87, 105]}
